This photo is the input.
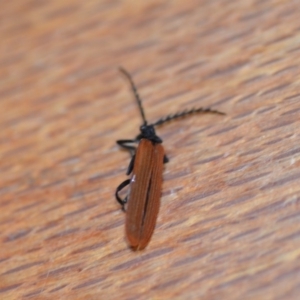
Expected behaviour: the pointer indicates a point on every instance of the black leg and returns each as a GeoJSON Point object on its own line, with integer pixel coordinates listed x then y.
{"type": "Point", "coordinates": [119, 188]}
{"type": "Point", "coordinates": [124, 144]}
{"type": "Point", "coordinates": [131, 164]}
{"type": "Point", "coordinates": [166, 159]}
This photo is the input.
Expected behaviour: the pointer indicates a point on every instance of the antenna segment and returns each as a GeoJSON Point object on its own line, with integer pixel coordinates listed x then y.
{"type": "Point", "coordinates": [134, 89]}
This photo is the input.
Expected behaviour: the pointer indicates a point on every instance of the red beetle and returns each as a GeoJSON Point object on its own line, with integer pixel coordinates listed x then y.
{"type": "Point", "coordinates": [146, 168]}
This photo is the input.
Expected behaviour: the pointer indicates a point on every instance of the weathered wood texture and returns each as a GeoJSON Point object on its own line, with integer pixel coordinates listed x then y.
{"type": "Point", "coordinates": [228, 226]}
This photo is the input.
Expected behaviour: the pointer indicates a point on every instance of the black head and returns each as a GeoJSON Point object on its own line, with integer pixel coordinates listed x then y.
{"type": "Point", "coordinates": [148, 132]}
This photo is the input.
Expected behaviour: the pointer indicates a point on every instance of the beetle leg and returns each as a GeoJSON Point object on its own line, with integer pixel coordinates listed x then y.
{"type": "Point", "coordinates": [119, 188]}
{"type": "Point", "coordinates": [166, 159]}
{"type": "Point", "coordinates": [131, 164]}
{"type": "Point", "coordinates": [124, 144]}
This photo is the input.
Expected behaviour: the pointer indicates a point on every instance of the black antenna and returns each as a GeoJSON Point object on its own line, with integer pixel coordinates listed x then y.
{"type": "Point", "coordinates": [185, 113]}
{"type": "Point", "coordinates": [134, 89]}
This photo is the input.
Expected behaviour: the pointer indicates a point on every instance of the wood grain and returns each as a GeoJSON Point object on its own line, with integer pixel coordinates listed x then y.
{"type": "Point", "coordinates": [228, 226]}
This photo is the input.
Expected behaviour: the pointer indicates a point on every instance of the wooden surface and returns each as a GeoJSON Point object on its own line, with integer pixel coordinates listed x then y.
{"type": "Point", "coordinates": [228, 226]}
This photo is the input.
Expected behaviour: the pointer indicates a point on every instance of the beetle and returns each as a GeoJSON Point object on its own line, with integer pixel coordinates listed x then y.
{"type": "Point", "coordinates": [146, 168]}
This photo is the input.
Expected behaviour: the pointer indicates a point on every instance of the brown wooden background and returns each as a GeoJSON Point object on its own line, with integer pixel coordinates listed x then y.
{"type": "Point", "coordinates": [228, 227]}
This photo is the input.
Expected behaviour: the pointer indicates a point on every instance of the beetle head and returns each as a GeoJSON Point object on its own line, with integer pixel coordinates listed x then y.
{"type": "Point", "coordinates": [148, 132]}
